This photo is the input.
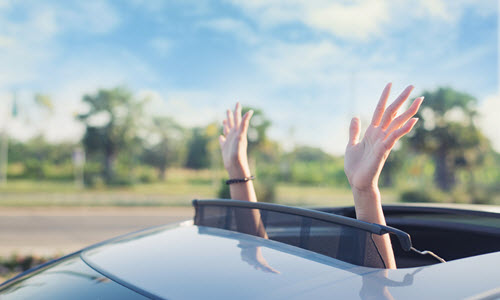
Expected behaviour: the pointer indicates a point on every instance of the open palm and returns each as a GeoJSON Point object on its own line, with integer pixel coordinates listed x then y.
{"type": "Point", "coordinates": [365, 159]}
{"type": "Point", "coordinates": [234, 142]}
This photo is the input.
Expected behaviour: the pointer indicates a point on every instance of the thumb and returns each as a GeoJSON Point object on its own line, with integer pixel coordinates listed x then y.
{"type": "Point", "coordinates": [354, 130]}
{"type": "Point", "coordinates": [222, 140]}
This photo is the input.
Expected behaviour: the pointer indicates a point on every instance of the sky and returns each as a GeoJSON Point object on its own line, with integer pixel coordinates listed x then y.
{"type": "Point", "coordinates": [309, 65]}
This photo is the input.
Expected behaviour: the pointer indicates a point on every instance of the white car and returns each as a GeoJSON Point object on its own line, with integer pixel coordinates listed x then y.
{"type": "Point", "coordinates": [309, 254]}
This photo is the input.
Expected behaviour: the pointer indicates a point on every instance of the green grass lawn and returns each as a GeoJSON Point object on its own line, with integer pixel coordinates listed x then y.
{"type": "Point", "coordinates": [179, 189]}
{"type": "Point", "coordinates": [35, 193]}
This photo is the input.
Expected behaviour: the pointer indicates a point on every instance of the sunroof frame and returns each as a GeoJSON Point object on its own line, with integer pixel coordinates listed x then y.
{"type": "Point", "coordinates": [403, 237]}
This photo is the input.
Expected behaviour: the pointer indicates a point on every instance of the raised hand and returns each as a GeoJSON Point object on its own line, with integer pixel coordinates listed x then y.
{"type": "Point", "coordinates": [234, 154]}
{"type": "Point", "coordinates": [365, 159]}
{"type": "Point", "coordinates": [234, 142]}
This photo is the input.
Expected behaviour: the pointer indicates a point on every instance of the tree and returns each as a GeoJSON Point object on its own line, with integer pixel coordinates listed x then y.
{"type": "Point", "coordinates": [111, 125]}
{"type": "Point", "coordinates": [163, 149]}
{"type": "Point", "coordinates": [393, 163]}
{"type": "Point", "coordinates": [198, 155]}
{"type": "Point", "coordinates": [447, 133]}
{"type": "Point", "coordinates": [308, 154]}
{"type": "Point", "coordinates": [257, 132]}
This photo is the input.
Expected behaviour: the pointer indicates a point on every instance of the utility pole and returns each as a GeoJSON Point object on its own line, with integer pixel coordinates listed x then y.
{"type": "Point", "coordinates": [79, 164]}
{"type": "Point", "coordinates": [4, 147]}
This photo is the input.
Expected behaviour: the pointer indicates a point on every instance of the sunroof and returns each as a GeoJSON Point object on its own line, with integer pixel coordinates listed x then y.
{"type": "Point", "coordinates": [339, 237]}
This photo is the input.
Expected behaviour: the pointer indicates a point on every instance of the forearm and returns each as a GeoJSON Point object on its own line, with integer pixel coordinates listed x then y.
{"type": "Point", "coordinates": [242, 191]}
{"type": "Point", "coordinates": [248, 220]}
{"type": "Point", "coordinates": [369, 209]}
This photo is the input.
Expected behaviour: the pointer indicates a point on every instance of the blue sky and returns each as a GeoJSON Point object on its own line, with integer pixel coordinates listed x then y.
{"type": "Point", "coordinates": [310, 65]}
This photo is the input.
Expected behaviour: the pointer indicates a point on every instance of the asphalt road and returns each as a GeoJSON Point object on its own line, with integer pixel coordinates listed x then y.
{"type": "Point", "coordinates": [56, 231]}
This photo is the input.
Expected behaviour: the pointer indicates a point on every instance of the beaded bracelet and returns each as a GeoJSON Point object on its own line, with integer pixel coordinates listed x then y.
{"type": "Point", "coordinates": [239, 180]}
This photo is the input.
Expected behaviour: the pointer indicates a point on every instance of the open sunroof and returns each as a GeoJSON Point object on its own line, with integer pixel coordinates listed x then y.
{"type": "Point", "coordinates": [342, 238]}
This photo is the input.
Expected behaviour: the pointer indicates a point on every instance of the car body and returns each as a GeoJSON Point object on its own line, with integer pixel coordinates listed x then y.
{"type": "Point", "coordinates": [209, 258]}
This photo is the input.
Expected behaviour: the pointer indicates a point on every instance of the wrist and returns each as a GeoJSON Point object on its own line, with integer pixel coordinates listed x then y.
{"type": "Point", "coordinates": [239, 171]}
{"type": "Point", "coordinates": [368, 192]}
{"type": "Point", "coordinates": [368, 205]}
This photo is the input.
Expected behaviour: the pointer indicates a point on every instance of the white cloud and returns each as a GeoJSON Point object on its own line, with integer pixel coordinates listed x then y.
{"type": "Point", "coordinates": [29, 45]}
{"type": "Point", "coordinates": [452, 11]}
{"type": "Point", "coordinates": [80, 78]}
{"type": "Point", "coordinates": [156, 104]}
{"type": "Point", "coordinates": [32, 120]}
{"type": "Point", "coordinates": [25, 49]}
{"type": "Point", "coordinates": [356, 20]}
{"type": "Point", "coordinates": [317, 81]}
{"type": "Point", "coordinates": [6, 42]}
{"type": "Point", "coordinates": [5, 4]}
{"type": "Point", "coordinates": [98, 17]}
{"type": "Point", "coordinates": [300, 64]}
{"type": "Point", "coordinates": [238, 28]}
{"type": "Point", "coordinates": [359, 20]}
{"type": "Point", "coordinates": [161, 45]}
{"type": "Point", "coordinates": [45, 22]}
{"type": "Point", "coordinates": [194, 108]}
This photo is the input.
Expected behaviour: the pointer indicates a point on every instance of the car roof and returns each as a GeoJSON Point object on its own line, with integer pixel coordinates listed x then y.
{"type": "Point", "coordinates": [185, 261]}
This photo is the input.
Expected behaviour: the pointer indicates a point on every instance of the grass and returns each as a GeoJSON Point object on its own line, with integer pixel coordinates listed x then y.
{"type": "Point", "coordinates": [37, 194]}
{"type": "Point", "coordinates": [179, 189]}
{"type": "Point", "coordinates": [144, 195]}
{"type": "Point", "coordinates": [322, 196]}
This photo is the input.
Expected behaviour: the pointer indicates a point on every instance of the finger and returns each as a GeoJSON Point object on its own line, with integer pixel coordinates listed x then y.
{"type": "Point", "coordinates": [404, 117]}
{"type": "Point", "coordinates": [226, 128]}
{"type": "Point", "coordinates": [230, 120]}
{"type": "Point", "coordinates": [354, 130]}
{"type": "Point", "coordinates": [222, 140]}
{"type": "Point", "coordinates": [246, 122]}
{"type": "Point", "coordinates": [397, 134]}
{"type": "Point", "coordinates": [392, 110]}
{"type": "Point", "coordinates": [379, 110]}
{"type": "Point", "coordinates": [237, 115]}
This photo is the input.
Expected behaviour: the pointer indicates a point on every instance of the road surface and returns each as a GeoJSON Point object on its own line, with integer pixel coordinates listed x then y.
{"type": "Point", "coordinates": [56, 231]}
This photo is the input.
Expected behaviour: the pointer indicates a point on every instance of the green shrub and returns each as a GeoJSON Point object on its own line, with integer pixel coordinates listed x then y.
{"type": "Point", "coordinates": [223, 192]}
{"type": "Point", "coordinates": [413, 196]}
{"type": "Point", "coordinates": [482, 199]}
{"type": "Point", "coordinates": [266, 190]}
{"type": "Point", "coordinates": [63, 171]}
{"type": "Point", "coordinates": [145, 174]}
{"type": "Point", "coordinates": [19, 263]}
{"type": "Point", "coordinates": [34, 168]}
{"type": "Point", "coordinates": [92, 174]}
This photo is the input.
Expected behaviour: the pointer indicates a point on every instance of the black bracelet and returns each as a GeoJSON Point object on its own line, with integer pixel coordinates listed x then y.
{"type": "Point", "coordinates": [239, 180]}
